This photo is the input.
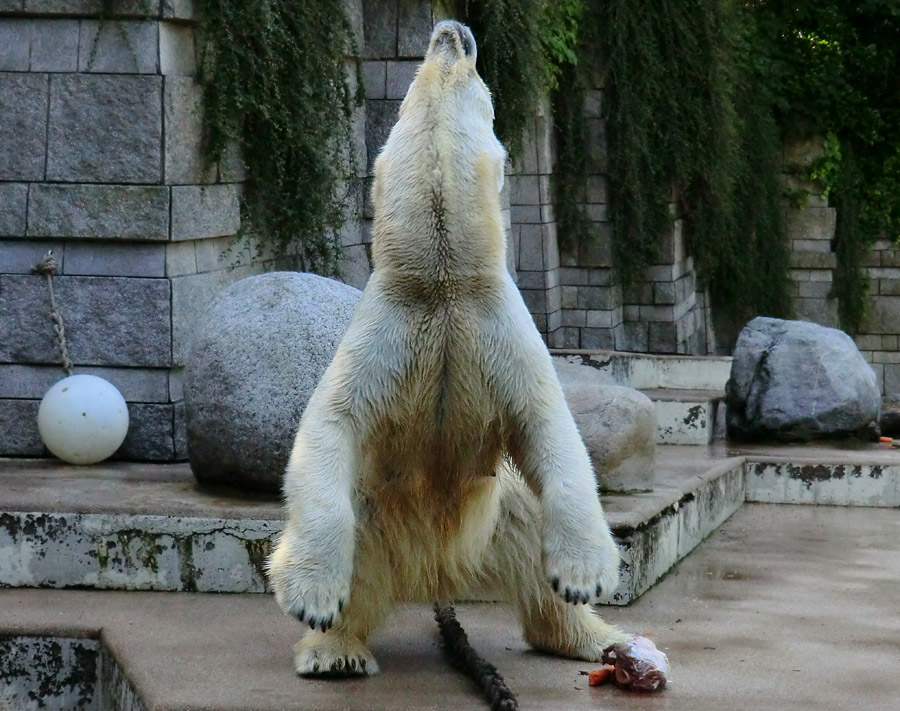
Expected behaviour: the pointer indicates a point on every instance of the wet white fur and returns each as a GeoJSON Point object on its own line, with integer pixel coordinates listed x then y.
{"type": "Point", "coordinates": [437, 456]}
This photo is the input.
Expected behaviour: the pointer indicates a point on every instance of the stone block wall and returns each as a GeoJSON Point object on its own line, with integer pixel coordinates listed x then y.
{"type": "Point", "coordinates": [663, 313]}
{"type": "Point", "coordinates": [878, 338]}
{"type": "Point", "coordinates": [809, 224]}
{"type": "Point", "coordinates": [100, 162]}
{"type": "Point", "coordinates": [532, 242]}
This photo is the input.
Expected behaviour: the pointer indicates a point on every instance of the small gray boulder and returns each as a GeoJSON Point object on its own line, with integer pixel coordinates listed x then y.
{"type": "Point", "coordinates": [794, 380]}
{"type": "Point", "coordinates": [258, 354]}
{"type": "Point", "coordinates": [617, 424]}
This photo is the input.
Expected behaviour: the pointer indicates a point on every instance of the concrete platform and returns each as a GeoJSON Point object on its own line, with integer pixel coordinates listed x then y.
{"type": "Point", "coordinates": [783, 608]}
{"type": "Point", "coordinates": [149, 527]}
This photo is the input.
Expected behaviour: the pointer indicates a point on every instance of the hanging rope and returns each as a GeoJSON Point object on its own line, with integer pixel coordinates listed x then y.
{"type": "Point", "coordinates": [467, 660]}
{"type": "Point", "coordinates": [47, 266]}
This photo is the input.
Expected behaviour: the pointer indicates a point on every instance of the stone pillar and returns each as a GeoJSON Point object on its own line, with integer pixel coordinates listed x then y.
{"type": "Point", "coordinates": [533, 226]}
{"type": "Point", "coordinates": [809, 225]}
{"type": "Point", "coordinates": [659, 314]}
{"type": "Point", "coordinates": [877, 338]}
{"type": "Point", "coordinates": [100, 161]}
{"type": "Point", "coordinates": [592, 316]}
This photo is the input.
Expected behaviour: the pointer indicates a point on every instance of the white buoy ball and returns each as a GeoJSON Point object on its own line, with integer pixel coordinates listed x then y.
{"type": "Point", "coordinates": [83, 419]}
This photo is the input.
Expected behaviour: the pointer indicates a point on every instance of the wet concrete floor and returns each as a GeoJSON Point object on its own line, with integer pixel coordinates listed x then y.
{"type": "Point", "coordinates": [783, 607]}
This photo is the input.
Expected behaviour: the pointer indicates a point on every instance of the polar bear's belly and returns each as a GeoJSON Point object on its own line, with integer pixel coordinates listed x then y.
{"type": "Point", "coordinates": [438, 421]}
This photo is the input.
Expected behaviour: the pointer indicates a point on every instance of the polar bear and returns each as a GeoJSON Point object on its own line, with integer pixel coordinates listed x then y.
{"type": "Point", "coordinates": [437, 456]}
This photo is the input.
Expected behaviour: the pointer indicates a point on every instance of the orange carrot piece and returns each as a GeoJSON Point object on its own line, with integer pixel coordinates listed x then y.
{"type": "Point", "coordinates": [602, 675]}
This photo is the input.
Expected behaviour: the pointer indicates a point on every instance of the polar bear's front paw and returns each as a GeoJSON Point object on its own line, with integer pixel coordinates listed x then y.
{"type": "Point", "coordinates": [333, 655]}
{"type": "Point", "coordinates": [582, 573]}
{"type": "Point", "coordinates": [313, 591]}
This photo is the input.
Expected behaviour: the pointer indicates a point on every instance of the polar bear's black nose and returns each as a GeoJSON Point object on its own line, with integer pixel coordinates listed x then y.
{"type": "Point", "coordinates": [466, 44]}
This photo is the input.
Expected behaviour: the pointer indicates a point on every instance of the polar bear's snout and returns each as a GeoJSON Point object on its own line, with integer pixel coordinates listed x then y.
{"type": "Point", "coordinates": [453, 38]}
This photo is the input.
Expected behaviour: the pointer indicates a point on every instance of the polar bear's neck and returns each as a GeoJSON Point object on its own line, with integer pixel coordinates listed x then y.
{"type": "Point", "coordinates": [438, 228]}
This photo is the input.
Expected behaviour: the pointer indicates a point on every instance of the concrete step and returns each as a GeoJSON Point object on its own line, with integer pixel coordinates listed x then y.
{"type": "Point", "coordinates": [644, 371]}
{"type": "Point", "coordinates": [132, 526]}
{"type": "Point", "coordinates": [693, 417]}
{"type": "Point", "coordinates": [125, 526]}
{"type": "Point", "coordinates": [758, 611]}
{"type": "Point", "coordinates": [688, 391]}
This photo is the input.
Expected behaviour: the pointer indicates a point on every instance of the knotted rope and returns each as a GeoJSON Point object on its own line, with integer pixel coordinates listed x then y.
{"type": "Point", "coordinates": [47, 266]}
{"type": "Point", "coordinates": [467, 660]}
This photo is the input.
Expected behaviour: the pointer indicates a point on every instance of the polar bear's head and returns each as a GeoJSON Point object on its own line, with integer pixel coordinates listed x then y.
{"type": "Point", "coordinates": [452, 42]}
{"type": "Point", "coordinates": [448, 78]}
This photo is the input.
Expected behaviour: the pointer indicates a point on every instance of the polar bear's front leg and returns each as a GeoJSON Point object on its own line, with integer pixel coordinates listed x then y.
{"type": "Point", "coordinates": [581, 560]}
{"type": "Point", "coordinates": [312, 564]}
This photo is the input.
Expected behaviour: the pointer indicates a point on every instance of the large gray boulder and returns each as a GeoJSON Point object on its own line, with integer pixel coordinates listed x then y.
{"type": "Point", "coordinates": [617, 424]}
{"type": "Point", "coordinates": [259, 351]}
{"type": "Point", "coordinates": [794, 380]}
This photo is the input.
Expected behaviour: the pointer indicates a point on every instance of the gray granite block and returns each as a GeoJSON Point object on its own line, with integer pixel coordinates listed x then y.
{"type": "Point", "coordinates": [399, 76]}
{"type": "Point", "coordinates": [94, 8]}
{"type": "Point", "coordinates": [118, 123]}
{"type": "Point", "coordinates": [23, 125]}
{"type": "Point", "coordinates": [413, 28]}
{"type": "Point", "coordinates": [151, 435]}
{"type": "Point", "coordinates": [11, 5]}
{"type": "Point", "coordinates": [181, 259]}
{"type": "Point", "coordinates": [531, 248]}
{"type": "Point", "coordinates": [379, 30]}
{"type": "Point", "coordinates": [200, 211]}
{"type": "Point", "coordinates": [32, 381]}
{"type": "Point", "coordinates": [18, 256]}
{"type": "Point", "coordinates": [97, 258]}
{"type": "Point", "coordinates": [183, 111]}
{"type": "Point", "coordinates": [380, 119]}
{"type": "Point", "coordinates": [176, 50]}
{"type": "Point", "coordinates": [121, 47]}
{"type": "Point", "coordinates": [108, 320]}
{"type": "Point", "coordinates": [54, 45]}
{"type": "Point", "coordinates": [232, 168]}
{"type": "Point", "coordinates": [99, 211]}
{"type": "Point", "coordinates": [13, 204]}
{"type": "Point", "coordinates": [524, 190]}
{"type": "Point", "coordinates": [374, 81]}
{"type": "Point", "coordinates": [356, 265]}
{"type": "Point", "coordinates": [178, 9]}
{"type": "Point", "coordinates": [19, 436]}
{"type": "Point", "coordinates": [179, 426]}
{"type": "Point", "coordinates": [14, 44]}
{"type": "Point", "coordinates": [661, 337]}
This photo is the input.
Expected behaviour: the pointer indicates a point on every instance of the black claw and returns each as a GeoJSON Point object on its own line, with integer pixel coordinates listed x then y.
{"type": "Point", "coordinates": [599, 590]}
{"type": "Point", "coordinates": [301, 615]}
{"type": "Point", "coordinates": [362, 663]}
{"type": "Point", "coordinates": [353, 664]}
{"type": "Point", "coordinates": [315, 667]}
{"type": "Point", "coordinates": [568, 595]}
{"type": "Point", "coordinates": [340, 605]}
{"type": "Point", "coordinates": [554, 582]}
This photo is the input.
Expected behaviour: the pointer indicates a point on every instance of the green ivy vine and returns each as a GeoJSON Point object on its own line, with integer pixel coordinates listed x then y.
{"type": "Point", "coordinates": [832, 68]}
{"type": "Point", "coordinates": [275, 77]}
